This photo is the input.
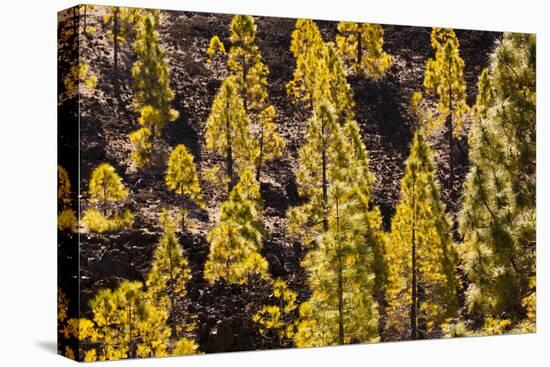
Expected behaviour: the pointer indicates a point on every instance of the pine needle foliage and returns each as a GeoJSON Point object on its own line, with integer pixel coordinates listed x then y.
{"type": "Point", "coordinates": [66, 216]}
{"type": "Point", "coordinates": [124, 325]}
{"type": "Point", "coordinates": [361, 46]}
{"type": "Point", "coordinates": [498, 218]}
{"type": "Point", "coordinates": [152, 93]}
{"type": "Point", "coordinates": [181, 177]}
{"type": "Point", "coordinates": [216, 54]}
{"type": "Point", "coordinates": [106, 187]}
{"type": "Point", "coordinates": [421, 260]}
{"type": "Point", "coordinates": [276, 320]}
{"type": "Point", "coordinates": [337, 223]}
{"type": "Point", "coordinates": [168, 277]}
{"type": "Point", "coordinates": [307, 47]}
{"type": "Point", "coordinates": [236, 241]}
{"type": "Point", "coordinates": [246, 64]}
{"type": "Point", "coordinates": [227, 129]}
{"type": "Point", "coordinates": [270, 144]}
{"type": "Point", "coordinates": [319, 74]}
{"type": "Point", "coordinates": [142, 140]}
{"type": "Point", "coordinates": [444, 81]}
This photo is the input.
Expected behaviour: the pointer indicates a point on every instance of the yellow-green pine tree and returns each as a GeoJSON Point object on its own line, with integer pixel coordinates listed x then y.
{"type": "Point", "coordinates": [307, 47]}
{"type": "Point", "coordinates": [106, 187]}
{"type": "Point", "coordinates": [444, 80]}
{"type": "Point", "coordinates": [276, 320]}
{"type": "Point", "coordinates": [246, 65]}
{"type": "Point", "coordinates": [181, 177]}
{"type": "Point", "coordinates": [361, 46]}
{"type": "Point", "coordinates": [321, 166]}
{"type": "Point", "coordinates": [227, 129]}
{"type": "Point", "coordinates": [125, 324]}
{"type": "Point", "coordinates": [337, 222]}
{"type": "Point", "coordinates": [152, 93]}
{"type": "Point", "coordinates": [236, 241]}
{"type": "Point", "coordinates": [216, 54]}
{"type": "Point", "coordinates": [66, 217]}
{"type": "Point", "coordinates": [498, 218]}
{"type": "Point", "coordinates": [421, 283]}
{"type": "Point", "coordinates": [168, 277]}
{"type": "Point", "coordinates": [270, 144]}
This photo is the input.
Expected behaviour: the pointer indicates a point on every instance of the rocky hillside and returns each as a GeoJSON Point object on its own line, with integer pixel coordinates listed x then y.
{"type": "Point", "coordinates": [222, 311]}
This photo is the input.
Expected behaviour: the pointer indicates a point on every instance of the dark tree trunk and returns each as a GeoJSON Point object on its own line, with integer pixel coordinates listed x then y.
{"type": "Point", "coordinates": [325, 194]}
{"type": "Point", "coordinates": [85, 23]}
{"type": "Point", "coordinates": [229, 142]}
{"type": "Point", "coordinates": [115, 52]}
{"type": "Point", "coordinates": [359, 49]}
{"type": "Point", "coordinates": [450, 128]}
{"type": "Point", "coordinates": [340, 289]}
{"type": "Point", "coordinates": [260, 158]}
{"type": "Point", "coordinates": [414, 327]}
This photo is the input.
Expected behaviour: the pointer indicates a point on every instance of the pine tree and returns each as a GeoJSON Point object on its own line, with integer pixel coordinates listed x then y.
{"type": "Point", "coordinates": [361, 46]}
{"type": "Point", "coordinates": [307, 47]}
{"type": "Point", "coordinates": [66, 217]}
{"type": "Point", "coordinates": [246, 64]}
{"type": "Point", "coordinates": [216, 54]}
{"type": "Point", "coordinates": [444, 80]}
{"type": "Point", "coordinates": [322, 164]}
{"type": "Point", "coordinates": [227, 129]}
{"type": "Point", "coordinates": [334, 81]}
{"type": "Point", "coordinates": [276, 320]}
{"type": "Point", "coordinates": [337, 222]}
{"type": "Point", "coordinates": [124, 325]}
{"type": "Point", "coordinates": [106, 187]}
{"type": "Point", "coordinates": [270, 144]}
{"type": "Point", "coordinates": [319, 74]}
{"type": "Point", "coordinates": [181, 176]}
{"type": "Point", "coordinates": [168, 277]}
{"type": "Point", "coordinates": [498, 218]}
{"type": "Point", "coordinates": [236, 240]}
{"type": "Point", "coordinates": [153, 95]}
{"type": "Point", "coordinates": [120, 22]}
{"type": "Point", "coordinates": [142, 141]}
{"type": "Point", "coordinates": [421, 284]}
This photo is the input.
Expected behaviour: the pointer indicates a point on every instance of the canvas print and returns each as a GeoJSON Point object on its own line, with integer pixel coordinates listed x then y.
{"type": "Point", "coordinates": [234, 183]}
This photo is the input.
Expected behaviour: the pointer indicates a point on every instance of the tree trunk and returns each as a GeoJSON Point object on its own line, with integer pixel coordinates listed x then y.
{"type": "Point", "coordinates": [450, 126]}
{"type": "Point", "coordinates": [115, 52]}
{"type": "Point", "coordinates": [172, 319]}
{"type": "Point", "coordinates": [340, 289]}
{"type": "Point", "coordinates": [359, 50]}
{"type": "Point", "coordinates": [104, 198]}
{"type": "Point", "coordinates": [414, 326]}
{"type": "Point", "coordinates": [182, 216]}
{"type": "Point", "coordinates": [261, 155]}
{"type": "Point", "coordinates": [85, 23]}
{"type": "Point", "coordinates": [325, 194]}
{"type": "Point", "coordinates": [229, 142]}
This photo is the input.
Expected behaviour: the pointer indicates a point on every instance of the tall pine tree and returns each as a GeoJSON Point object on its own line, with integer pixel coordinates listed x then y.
{"type": "Point", "coordinates": [498, 219]}
{"type": "Point", "coordinates": [361, 46]}
{"type": "Point", "coordinates": [236, 241]}
{"type": "Point", "coordinates": [341, 229]}
{"type": "Point", "coordinates": [421, 283]}
{"type": "Point", "coordinates": [227, 129]}
{"type": "Point", "coordinates": [168, 277]}
{"type": "Point", "coordinates": [444, 80]}
{"type": "Point", "coordinates": [181, 177]}
{"type": "Point", "coordinates": [152, 93]}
